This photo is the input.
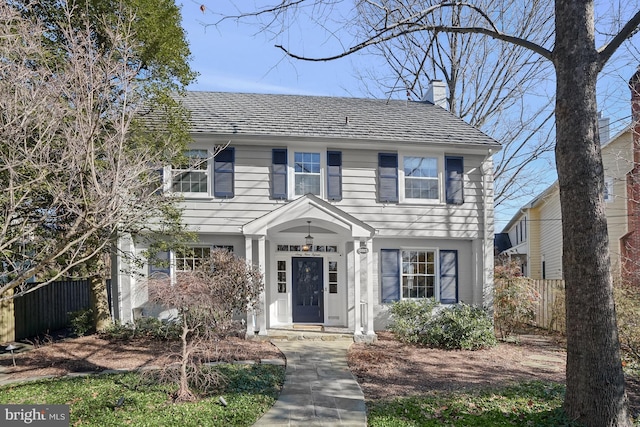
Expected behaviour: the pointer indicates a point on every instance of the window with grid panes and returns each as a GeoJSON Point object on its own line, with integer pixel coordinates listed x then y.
{"type": "Point", "coordinates": [333, 277]}
{"type": "Point", "coordinates": [307, 173]}
{"type": "Point", "coordinates": [420, 177]}
{"type": "Point", "coordinates": [418, 274]}
{"type": "Point", "coordinates": [187, 260]}
{"type": "Point", "coordinates": [192, 176]}
{"type": "Point", "coordinates": [282, 277]}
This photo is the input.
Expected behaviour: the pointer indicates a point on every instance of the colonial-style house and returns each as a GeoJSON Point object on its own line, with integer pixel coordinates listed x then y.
{"type": "Point", "coordinates": [346, 205]}
{"type": "Point", "coordinates": [534, 235]}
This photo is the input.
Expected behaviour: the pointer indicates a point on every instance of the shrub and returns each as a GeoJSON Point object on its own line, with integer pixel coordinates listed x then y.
{"type": "Point", "coordinates": [460, 326]}
{"type": "Point", "coordinates": [149, 327]}
{"type": "Point", "coordinates": [628, 316]}
{"type": "Point", "coordinates": [515, 300]}
{"type": "Point", "coordinates": [81, 322]}
{"type": "Point", "coordinates": [409, 318]}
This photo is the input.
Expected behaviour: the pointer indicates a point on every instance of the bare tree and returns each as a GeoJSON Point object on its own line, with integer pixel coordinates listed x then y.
{"type": "Point", "coordinates": [80, 166]}
{"type": "Point", "coordinates": [205, 300]}
{"type": "Point", "coordinates": [494, 86]}
{"type": "Point", "coordinates": [595, 381]}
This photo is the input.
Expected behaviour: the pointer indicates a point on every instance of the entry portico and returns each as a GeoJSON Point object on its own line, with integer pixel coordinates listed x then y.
{"type": "Point", "coordinates": [329, 282]}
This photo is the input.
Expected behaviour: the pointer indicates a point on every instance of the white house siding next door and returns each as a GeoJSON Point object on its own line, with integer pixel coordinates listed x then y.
{"type": "Point", "coordinates": [332, 296]}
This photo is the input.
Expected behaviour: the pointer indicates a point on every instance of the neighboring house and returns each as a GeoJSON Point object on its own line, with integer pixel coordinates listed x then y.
{"type": "Point", "coordinates": [345, 204]}
{"type": "Point", "coordinates": [535, 231]}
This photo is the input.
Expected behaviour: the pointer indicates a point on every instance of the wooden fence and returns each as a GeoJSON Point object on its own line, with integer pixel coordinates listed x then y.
{"type": "Point", "coordinates": [550, 312]}
{"type": "Point", "coordinates": [43, 310]}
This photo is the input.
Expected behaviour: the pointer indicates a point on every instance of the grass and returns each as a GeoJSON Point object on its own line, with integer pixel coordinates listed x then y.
{"type": "Point", "coordinates": [526, 404]}
{"type": "Point", "coordinates": [251, 390]}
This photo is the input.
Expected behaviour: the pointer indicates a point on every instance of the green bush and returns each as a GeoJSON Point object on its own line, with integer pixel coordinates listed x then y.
{"type": "Point", "coordinates": [459, 326]}
{"type": "Point", "coordinates": [81, 322]}
{"type": "Point", "coordinates": [409, 318]}
{"type": "Point", "coordinates": [148, 327]}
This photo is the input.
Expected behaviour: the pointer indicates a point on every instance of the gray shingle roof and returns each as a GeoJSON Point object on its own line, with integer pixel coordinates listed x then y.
{"type": "Point", "coordinates": [326, 117]}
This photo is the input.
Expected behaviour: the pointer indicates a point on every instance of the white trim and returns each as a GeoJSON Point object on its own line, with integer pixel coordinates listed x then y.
{"type": "Point", "coordinates": [440, 176]}
{"type": "Point", "coordinates": [291, 170]}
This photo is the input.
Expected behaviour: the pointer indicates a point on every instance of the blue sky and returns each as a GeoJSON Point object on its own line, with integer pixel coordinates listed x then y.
{"type": "Point", "coordinates": [238, 58]}
{"type": "Point", "coordinates": [234, 57]}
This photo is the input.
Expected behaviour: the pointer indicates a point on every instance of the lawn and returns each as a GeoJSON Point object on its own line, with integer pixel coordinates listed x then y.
{"type": "Point", "coordinates": [131, 399]}
{"type": "Point", "coordinates": [526, 404]}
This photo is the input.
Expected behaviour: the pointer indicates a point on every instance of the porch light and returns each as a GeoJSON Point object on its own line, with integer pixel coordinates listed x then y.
{"type": "Point", "coordinates": [308, 241]}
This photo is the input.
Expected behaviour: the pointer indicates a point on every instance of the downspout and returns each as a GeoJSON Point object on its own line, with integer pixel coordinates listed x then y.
{"type": "Point", "coordinates": [487, 251]}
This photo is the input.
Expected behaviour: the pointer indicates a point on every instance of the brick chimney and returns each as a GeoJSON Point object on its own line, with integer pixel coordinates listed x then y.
{"type": "Point", "coordinates": [630, 242]}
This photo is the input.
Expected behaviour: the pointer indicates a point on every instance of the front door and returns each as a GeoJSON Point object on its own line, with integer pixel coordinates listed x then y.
{"type": "Point", "coordinates": [307, 295]}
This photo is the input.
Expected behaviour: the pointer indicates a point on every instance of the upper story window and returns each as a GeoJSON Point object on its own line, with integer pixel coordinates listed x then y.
{"type": "Point", "coordinates": [193, 175]}
{"type": "Point", "coordinates": [421, 178]}
{"type": "Point", "coordinates": [202, 174]}
{"type": "Point", "coordinates": [307, 173]}
{"type": "Point", "coordinates": [297, 173]}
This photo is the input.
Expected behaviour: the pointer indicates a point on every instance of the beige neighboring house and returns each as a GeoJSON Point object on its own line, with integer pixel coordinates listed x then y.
{"type": "Point", "coordinates": [345, 204]}
{"type": "Point", "coordinates": [533, 237]}
{"type": "Point", "coordinates": [535, 232]}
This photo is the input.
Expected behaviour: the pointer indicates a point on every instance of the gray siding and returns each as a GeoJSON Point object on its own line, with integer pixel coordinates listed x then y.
{"type": "Point", "coordinates": [359, 169]}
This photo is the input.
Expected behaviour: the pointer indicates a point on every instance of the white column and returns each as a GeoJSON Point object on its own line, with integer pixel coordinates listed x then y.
{"type": "Point", "coordinates": [357, 329]}
{"type": "Point", "coordinates": [262, 260]}
{"type": "Point", "coordinates": [370, 300]}
{"type": "Point", "coordinates": [251, 314]}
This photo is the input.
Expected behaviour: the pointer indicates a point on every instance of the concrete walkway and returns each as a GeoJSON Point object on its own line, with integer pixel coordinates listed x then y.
{"type": "Point", "coordinates": [319, 389]}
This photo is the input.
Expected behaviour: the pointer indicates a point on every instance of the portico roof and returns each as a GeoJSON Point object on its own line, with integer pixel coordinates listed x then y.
{"type": "Point", "coordinates": [309, 208]}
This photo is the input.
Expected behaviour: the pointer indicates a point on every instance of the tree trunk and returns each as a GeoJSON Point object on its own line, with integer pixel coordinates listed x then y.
{"type": "Point", "coordinates": [595, 382]}
{"type": "Point", "coordinates": [99, 303]}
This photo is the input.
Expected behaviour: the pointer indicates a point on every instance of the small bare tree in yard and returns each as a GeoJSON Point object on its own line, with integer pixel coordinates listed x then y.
{"type": "Point", "coordinates": [206, 300]}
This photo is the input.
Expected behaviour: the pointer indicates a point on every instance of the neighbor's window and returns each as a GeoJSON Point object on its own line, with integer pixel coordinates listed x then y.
{"type": "Point", "coordinates": [188, 259]}
{"type": "Point", "coordinates": [192, 176]}
{"type": "Point", "coordinates": [420, 178]}
{"type": "Point", "coordinates": [307, 173]}
{"type": "Point", "coordinates": [418, 274]}
{"type": "Point", "coordinates": [608, 189]}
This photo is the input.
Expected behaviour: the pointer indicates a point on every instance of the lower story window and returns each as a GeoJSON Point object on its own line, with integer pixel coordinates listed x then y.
{"type": "Point", "coordinates": [187, 260]}
{"type": "Point", "coordinates": [418, 274]}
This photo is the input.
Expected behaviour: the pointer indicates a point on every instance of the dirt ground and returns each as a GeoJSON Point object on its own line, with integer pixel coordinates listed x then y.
{"type": "Point", "coordinates": [386, 369]}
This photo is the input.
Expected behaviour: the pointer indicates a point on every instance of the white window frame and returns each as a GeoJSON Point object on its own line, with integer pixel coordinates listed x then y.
{"type": "Point", "coordinates": [436, 272]}
{"type": "Point", "coordinates": [291, 175]}
{"type": "Point", "coordinates": [439, 157]}
{"type": "Point", "coordinates": [609, 194]}
{"type": "Point", "coordinates": [172, 173]}
{"type": "Point", "coordinates": [178, 262]}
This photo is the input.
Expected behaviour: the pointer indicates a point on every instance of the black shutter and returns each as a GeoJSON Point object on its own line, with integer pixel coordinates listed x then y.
{"type": "Point", "coordinates": [454, 171]}
{"type": "Point", "coordinates": [279, 173]}
{"type": "Point", "coordinates": [390, 275]}
{"type": "Point", "coordinates": [334, 175]}
{"type": "Point", "coordinates": [223, 173]}
{"type": "Point", "coordinates": [448, 277]}
{"type": "Point", "coordinates": [387, 177]}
